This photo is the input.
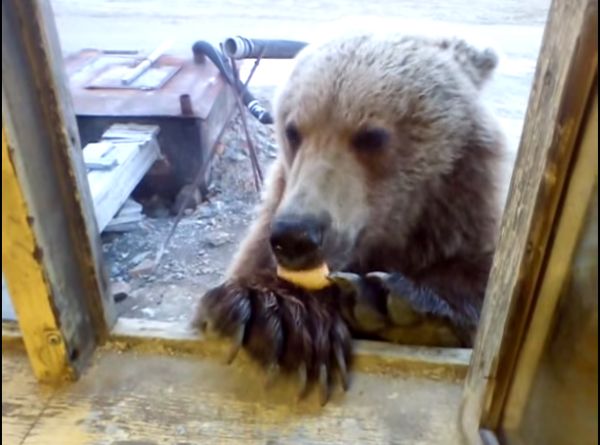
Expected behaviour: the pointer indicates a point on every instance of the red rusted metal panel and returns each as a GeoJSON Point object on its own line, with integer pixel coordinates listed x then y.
{"type": "Point", "coordinates": [89, 69]}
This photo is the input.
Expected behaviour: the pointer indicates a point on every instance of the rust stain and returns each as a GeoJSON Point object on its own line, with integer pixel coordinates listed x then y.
{"type": "Point", "coordinates": [202, 82]}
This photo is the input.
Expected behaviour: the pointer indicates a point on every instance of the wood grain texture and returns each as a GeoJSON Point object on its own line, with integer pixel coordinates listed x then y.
{"type": "Point", "coordinates": [150, 399]}
{"type": "Point", "coordinates": [565, 73]}
{"type": "Point", "coordinates": [46, 155]}
{"type": "Point", "coordinates": [562, 383]}
{"type": "Point", "coordinates": [447, 364]}
{"type": "Point", "coordinates": [111, 188]}
{"type": "Point", "coordinates": [23, 399]}
{"type": "Point", "coordinates": [581, 195]}
{"type": "Point", "coordinates": [26, 278]}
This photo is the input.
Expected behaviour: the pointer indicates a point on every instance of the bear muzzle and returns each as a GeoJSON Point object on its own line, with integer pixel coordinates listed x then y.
{"type": "Point", "coordinates": [296, 241]}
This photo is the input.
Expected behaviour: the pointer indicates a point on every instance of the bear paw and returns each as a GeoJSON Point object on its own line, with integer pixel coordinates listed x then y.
{"type": "Point", "coordinates": [391, 307]}
{"type": "Point", "coordinates": [283, 327]}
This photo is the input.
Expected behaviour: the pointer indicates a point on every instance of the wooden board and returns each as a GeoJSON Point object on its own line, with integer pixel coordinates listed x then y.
{"type": "Point", "coordinates": [565, 75]}
{"type": "Point", "coordinates": [560, 381]}
{"type": "Point", "coordinates": [134, 398]}
{"type": "Point", "coordinates": [128, 217]}
{"type": "Point", "coordinates": [446, 364]}
{"type": "Point", "coordinates": [28, 285]}
{"type": "Point", "coordinates": [132, 149]}
{"type": "Point", "coordinates": [23, 400]}
{"type": "Point", "coordinates": [581, 194]}
{"type": "Point", "coordinates": [51, 177]}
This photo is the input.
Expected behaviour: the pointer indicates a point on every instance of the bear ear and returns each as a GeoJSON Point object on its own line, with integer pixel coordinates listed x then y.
{"type": "Point", "coordinates": [477, 64]}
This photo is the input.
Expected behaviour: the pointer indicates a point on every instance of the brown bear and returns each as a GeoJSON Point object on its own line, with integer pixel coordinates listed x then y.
{"type": "Point", "coordinates": [387, 171]}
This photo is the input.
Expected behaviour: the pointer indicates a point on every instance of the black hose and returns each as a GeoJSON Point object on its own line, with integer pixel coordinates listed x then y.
{"type": "Point", "coordinates": [239, 47]}
{"type": "Point", "coordinates": [201, 49]}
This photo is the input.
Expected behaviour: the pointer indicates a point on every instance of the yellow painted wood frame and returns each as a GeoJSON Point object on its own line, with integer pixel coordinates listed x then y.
{"type": "Point", "coordinates": [51, 249]}
{"type": "Point", "coordinates": [26, 278]}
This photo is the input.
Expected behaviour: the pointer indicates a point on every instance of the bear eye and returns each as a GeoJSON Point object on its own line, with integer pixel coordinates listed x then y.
{"type": "Point", "coordinates": [371, 139]}
{"type": "Point", "coordinates": [293, 136]}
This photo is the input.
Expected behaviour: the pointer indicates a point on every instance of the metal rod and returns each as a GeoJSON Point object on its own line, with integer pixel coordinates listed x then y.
{"type": "Point", "coordinates": [256, 171]}
{"type": "Point", "coordinates": [203, 49]}
{"type": "Point", "coordinates": [143, 66]}
{"type": "Point", "coordinates": [201, 173]}
{"type": "Point", "coordinates": [239, 47]}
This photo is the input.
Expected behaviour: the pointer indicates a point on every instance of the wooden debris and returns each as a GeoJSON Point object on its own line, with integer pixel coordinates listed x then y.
{"type": "Point", "coordinates": [144, 268]}
{"type": "Point", "coordinates": [128, 217]}
{"type": "Point", "coordinates": [100, 156]}
{"type": "Point", "coordinates": [116, 164]}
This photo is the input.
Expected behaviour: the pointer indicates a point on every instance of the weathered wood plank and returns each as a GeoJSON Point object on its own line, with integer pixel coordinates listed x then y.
{"type": "Point", "coordinates": [370, 357]}
{"type": "Point", "coordinates": [29, 289]}
{"type": "Point", "coordinates": [130, 208]}
{"type": "Point", "coordinates": [133, 154]}
{"type": "Point", "coordinates": [23, 399]}
{"type": "Point", "coordinates": [48, 163]}
{"type": "Point", "coordinates": [151, 399]}
{"type": "Point", "coordinates": [99, 156]}
{"type": "Point", "coordinates": [566, 72]}
{"type": "Point", "coordinates": [581, 192]}
{"type": "Point", "coordinates": [561, 383]}
{"type": "Point", "coordinates": [127, 218]}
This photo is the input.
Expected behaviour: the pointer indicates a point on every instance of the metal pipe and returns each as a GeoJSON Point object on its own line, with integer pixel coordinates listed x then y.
{"type": "Point", "coordinates": [239, 47]}
{"type": "Point", "coordinates": [143, 66]}
{"type": "Point", "coordinates": [185, 103]}
{"type": "Point", "coordinates": [203, 49]}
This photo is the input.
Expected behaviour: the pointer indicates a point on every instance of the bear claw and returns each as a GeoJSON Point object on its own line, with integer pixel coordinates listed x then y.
{"type": "Point", "coordinates": [302, 381]}
{"type": "Point", "coordinates": [324, 387]}
{"type": "Point", "coordinates": [284, 328]}
{"type": "Point", "coordinates": [237, 341]}
{"type": "Point", "coordinates": [400, 311]}
{"type": "Point", "coordinates": [347, 281]}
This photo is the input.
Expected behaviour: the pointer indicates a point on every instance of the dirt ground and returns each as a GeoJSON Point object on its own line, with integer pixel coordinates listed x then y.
{"type": "Point", "coordinates": [203, 243]}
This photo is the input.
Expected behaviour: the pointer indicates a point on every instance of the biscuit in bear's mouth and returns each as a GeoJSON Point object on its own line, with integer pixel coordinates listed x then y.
{"type": "Point", "coordinates": [309, 279]}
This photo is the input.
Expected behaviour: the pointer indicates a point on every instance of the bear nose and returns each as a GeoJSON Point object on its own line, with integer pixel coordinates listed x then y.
{"type": "Point", "coordinates": [296, 241]}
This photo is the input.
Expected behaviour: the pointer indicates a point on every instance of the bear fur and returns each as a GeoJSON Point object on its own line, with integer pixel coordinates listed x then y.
{"type": "Point", "coordinates": [386, 139]}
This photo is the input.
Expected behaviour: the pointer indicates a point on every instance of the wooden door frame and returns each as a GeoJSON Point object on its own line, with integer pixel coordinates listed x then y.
{"type": "Point", "coordinates": [551, 155]}
{"type": "Point", "coordinates": [51, 253]}
{"type": "Point", "coordinates": [45, 166]}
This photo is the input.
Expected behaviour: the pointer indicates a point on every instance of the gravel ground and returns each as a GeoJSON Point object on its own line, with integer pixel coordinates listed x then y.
{"type": "Point", "coordinates": [203, 243]}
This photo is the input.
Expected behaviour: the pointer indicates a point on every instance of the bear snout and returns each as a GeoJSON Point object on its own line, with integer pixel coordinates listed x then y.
{"type": "Point", "coordinates": [296, 241]}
